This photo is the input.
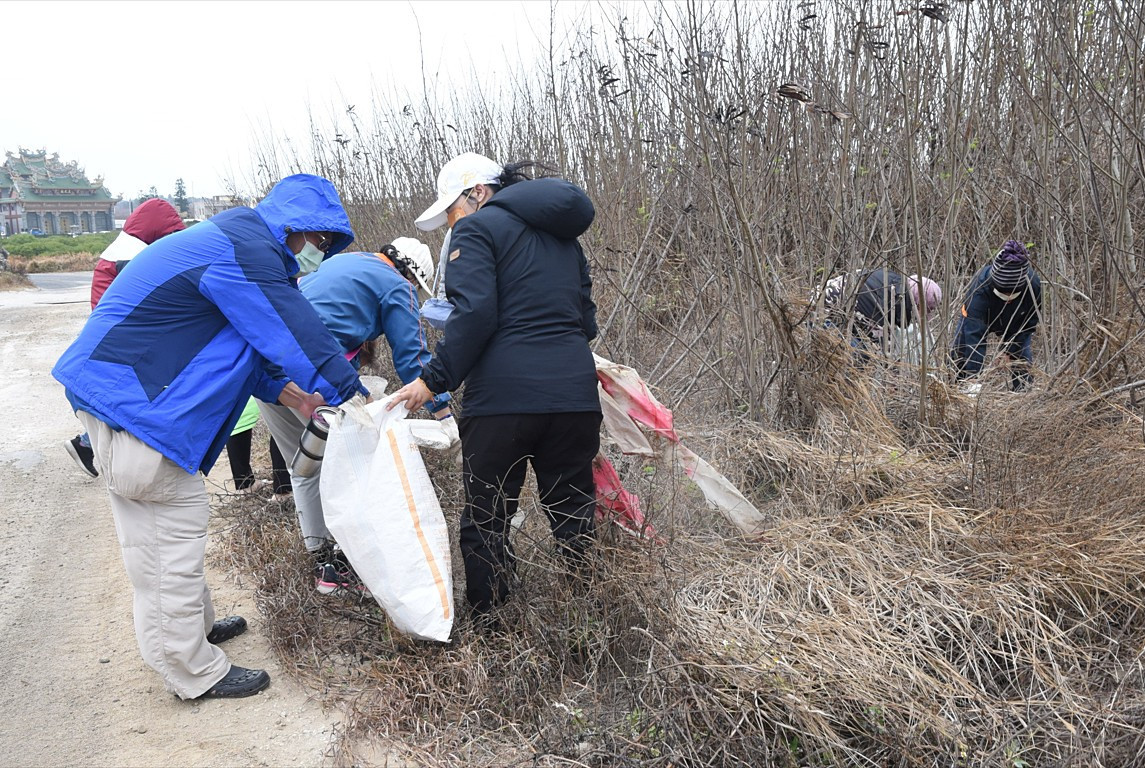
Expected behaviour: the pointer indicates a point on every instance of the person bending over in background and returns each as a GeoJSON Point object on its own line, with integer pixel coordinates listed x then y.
{"type": "Point", "coordinates": [159, 374]}
{"type": "Point", "coordinates": [869, 302]}
{"type": "Point", "coordinates": [360, 297]}
{"type": "Point", "coordinates": [238, 456]}
{"type": "Point", "coordinates": [153, 219]}
{"type": "Point", "coordinates": [1004, 299]}
{"type": "Point", "coordinates": [518, 336]}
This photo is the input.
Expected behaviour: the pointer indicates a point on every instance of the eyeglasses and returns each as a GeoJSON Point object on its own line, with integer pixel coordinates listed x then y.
{"type": "Point", "coordinates": [326, 243]}
{"type": "Point", "coordinates": [462, 199]}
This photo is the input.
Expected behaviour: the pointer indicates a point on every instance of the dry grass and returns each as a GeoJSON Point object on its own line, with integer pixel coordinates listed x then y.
{"type": "Point", "coordinates": [961, 594]}
{"type": "Point", "coordinates": [14, 281]}
{"type": "Point", "coordinates": [946, 581]}
{"type": "Point", "coordinates": [64, 262]}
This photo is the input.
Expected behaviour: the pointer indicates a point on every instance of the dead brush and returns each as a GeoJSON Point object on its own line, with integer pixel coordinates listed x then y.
{"type": "Point", "coordinates": [922, 598]}
{"type": "Point", "coordinates": [947, 581]}
{"type": "Point", "coordinates": [907, 626]}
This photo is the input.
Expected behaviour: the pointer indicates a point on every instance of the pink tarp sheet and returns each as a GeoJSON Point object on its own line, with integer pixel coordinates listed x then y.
{"type": "Point", "coordinates": [627, 404]}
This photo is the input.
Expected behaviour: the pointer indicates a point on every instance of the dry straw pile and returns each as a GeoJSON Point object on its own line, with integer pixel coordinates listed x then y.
{"type": "Point", "coordinates": [969, 594]}
{"type": "Point", "coordinates": [945, 581]}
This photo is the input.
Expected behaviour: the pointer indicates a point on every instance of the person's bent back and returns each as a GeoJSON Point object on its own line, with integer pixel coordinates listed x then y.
{"type": "Point", "coordinates": [1004, 299]}
{"type": "Point", "coordinates": [160, 374]}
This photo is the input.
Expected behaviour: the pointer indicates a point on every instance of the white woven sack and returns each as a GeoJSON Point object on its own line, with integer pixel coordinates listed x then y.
{"type": "Point", "coordinates": [381, 507]}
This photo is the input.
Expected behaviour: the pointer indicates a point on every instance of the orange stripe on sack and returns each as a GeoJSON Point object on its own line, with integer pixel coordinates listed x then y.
{"type": "Point", "coordinates": [964, 310]}
{"type": "Point", "coordinates": [417, 523]}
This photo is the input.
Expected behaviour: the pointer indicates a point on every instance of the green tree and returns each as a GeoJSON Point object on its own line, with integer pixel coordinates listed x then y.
{"type": "Point", "coordinates": [180, 196]}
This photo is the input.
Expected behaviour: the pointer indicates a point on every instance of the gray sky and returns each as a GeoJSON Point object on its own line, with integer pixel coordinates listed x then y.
{"type": "Point", "coordinates": [144, 93]}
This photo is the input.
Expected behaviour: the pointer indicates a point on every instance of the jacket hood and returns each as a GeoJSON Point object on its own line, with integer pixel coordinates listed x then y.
{"type": "Point", "coordinates": [123, 248]}
{"type": "Point", "coordinates": [306, 203]}
{"type": "Point", "coordinates": [556, 206]}
{"type": "Point", "coordinates": [152, 220]}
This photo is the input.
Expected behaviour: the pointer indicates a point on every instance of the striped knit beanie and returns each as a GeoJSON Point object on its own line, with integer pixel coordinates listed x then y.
{"type": "Point", "coordinates": [1008, 273]}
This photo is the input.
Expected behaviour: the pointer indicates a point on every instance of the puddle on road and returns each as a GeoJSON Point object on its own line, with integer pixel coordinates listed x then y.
{"type": "Point", "coordinates": [25, 461]}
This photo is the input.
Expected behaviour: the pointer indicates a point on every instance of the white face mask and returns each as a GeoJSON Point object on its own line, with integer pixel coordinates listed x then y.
{"type": "Point", "coordinates": [309, 258]}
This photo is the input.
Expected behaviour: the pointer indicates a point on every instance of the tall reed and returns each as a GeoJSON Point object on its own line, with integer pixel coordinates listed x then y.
{"type": "Point", "coordinates": [948, 582]}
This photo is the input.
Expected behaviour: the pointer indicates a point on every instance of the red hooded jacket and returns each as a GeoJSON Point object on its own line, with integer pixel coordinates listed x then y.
{"type": "Point", "coordinates": [154, 219]}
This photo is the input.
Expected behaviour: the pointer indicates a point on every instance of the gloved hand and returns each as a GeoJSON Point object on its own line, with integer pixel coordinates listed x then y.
{"type": "Point", "coordinates": [413, 396]}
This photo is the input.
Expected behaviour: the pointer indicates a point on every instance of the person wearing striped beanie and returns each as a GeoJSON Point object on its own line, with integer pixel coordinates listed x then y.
{"type": "Point", "coordinates": [1004, 299]}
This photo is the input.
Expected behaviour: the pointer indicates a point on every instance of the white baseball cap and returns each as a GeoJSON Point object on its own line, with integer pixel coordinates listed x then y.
{"type": "Point", "coordinates": [417, 258]}
{"type": "Point", "coordinates": [459, 174]}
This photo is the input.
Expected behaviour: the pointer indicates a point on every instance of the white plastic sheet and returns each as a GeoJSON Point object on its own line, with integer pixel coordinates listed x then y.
{"type": "Point", "coordinates": [718, 490]}
{"type": "Point", "coordinates": [621, 429]}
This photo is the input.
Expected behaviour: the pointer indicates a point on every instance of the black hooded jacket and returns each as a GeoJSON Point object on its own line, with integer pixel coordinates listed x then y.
{"type": "Point", "coordinates": [523, 311]}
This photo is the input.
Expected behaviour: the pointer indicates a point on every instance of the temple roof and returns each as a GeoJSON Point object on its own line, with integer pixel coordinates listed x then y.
{"type": "Point", "coordinates": [36, 174]}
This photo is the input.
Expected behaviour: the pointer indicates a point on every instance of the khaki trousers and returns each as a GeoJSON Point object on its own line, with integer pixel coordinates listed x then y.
{"type": "Point", "coordinates": [286, 427]}
{"type": "Point", "coordinates": [161, 516]}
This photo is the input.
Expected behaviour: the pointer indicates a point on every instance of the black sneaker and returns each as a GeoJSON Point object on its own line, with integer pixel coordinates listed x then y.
{"type": "Point", "coordinates": [237, 683]}
{"type": "Point", "coordinates": [337, 576]}
{"type": "Point", "coordinates": [326, 579]}
{"type": "Point", "coordinates": [83, 455]}
{"type": "Point", "coordinates": [347, 573]}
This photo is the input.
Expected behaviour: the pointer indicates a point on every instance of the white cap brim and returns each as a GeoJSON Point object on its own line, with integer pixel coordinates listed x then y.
{"type": "Point", "coordinates": [461, 173]}
{"type": "Point", "coordinates": [434, 216]}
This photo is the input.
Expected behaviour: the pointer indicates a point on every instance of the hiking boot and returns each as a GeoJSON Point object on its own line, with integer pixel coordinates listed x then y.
{"type": "Point", "coordinates": [237, 683]}
{"type": "Point", "coordinates": [83, 455]}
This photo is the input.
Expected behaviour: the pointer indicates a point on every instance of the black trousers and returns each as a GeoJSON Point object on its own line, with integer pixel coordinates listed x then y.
{"type": "Point", "coordinates": [496, 449]}
{"type": "Point", "coordinates": [279, 471]}
{"type": "Point", "coordinates": [238, 454]}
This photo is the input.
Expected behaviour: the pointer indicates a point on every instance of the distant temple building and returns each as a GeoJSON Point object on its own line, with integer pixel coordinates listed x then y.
{"type": "Point", "coordinates": [40, 193]}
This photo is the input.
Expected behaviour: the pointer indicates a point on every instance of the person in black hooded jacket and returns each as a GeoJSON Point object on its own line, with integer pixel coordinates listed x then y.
{"type": "Point", "coordinates": [518, 336]}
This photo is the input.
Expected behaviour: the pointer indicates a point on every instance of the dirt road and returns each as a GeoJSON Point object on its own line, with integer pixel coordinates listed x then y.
{"type": "Point", "coordinates": [77, 692]}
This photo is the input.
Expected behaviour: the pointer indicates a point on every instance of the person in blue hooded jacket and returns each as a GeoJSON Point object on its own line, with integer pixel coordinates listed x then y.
{"type": "Point", "coordinates": [160, 374]}
{"type": "Point", "coordinates": [518, 336]}
{"type": "Point", "coordinates": [359, 297]}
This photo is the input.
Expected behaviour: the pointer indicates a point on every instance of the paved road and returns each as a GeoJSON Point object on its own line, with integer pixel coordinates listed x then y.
{"type": "Point", "coordinates": [60, 281]}
{"type": "Point", "coordinates": [76, 692]}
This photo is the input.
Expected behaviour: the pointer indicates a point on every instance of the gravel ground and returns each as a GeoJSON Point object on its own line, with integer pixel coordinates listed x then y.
{"type": "Point", "coordinates": [80, 694]}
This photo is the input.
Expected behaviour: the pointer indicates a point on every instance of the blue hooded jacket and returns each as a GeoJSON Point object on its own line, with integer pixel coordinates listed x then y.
{"type": "Point", "coordinates": [523, 311]}
{"type": "Point", "coordinates": [361, 296]}
{"type": "Point", "coordinates": [206, 317]}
